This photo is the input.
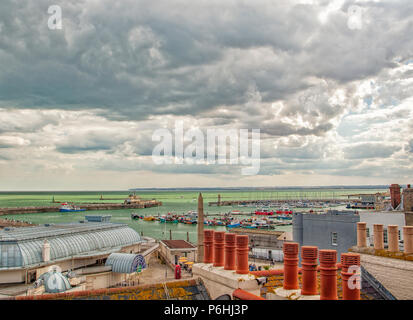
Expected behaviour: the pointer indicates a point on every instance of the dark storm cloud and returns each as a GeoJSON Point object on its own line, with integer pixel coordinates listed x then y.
{"type": "Point", "coordinates": [136, 59]}
{"type": "Point", "coordinates": [271, 65]}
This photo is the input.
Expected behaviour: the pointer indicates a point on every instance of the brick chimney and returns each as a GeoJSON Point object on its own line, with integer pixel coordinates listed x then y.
{"type": "Point", "coordinates": [395, 195]}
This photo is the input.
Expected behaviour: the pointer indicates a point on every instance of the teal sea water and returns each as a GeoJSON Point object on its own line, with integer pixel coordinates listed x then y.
{"type": "Point", "coordinates": [173, 201]}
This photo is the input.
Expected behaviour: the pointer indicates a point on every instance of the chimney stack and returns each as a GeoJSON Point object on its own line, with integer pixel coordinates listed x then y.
{"type": "Point", "coordinates": [290, 250]}
{"type": "Point", "coordinates": [219, 248]}
{"type": "Point", "coordinates": [361, 234]}
{"type": "Point", "coordinates": [309, 270]}
{"type": "Point", "coordinates": [378, 237]}
{"type": "Point", "coordinates": [351, 281]}
{"type": "Point", "coordinates": [408, 239]}
{"type": "Point", "coordinates": [229, 252]}
{"type": "Point", "coordinates": [242, 254]}
{"type": "Point", "coordinates": [46, 251]}
{"type": "Point", "coordinates": [200, 227]}
{"type": "Point", "coordinates": [393, 238]}
{"type": "Point", "coordinates": [208, 246]}
{"type": "Point", "coordinates": [328, 274]}
{"type": "Point", "coordinates": [395, 195]}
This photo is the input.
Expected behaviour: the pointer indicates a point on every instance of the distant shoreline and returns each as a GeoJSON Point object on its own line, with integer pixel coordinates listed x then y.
{"type": "Point", "coordinates": [367, 187]}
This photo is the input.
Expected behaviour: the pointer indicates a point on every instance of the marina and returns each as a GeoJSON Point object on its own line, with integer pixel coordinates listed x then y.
{"type": "Point", "coordinates": [38, 208]}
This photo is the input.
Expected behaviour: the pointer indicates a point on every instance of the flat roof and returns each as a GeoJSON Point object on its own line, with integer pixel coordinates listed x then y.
{"type": "Point", "coordinates": [178, 244]}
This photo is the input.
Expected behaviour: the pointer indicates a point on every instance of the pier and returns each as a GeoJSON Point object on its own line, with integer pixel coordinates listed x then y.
{"type": "Point", "coordinates": [278, 201]}
{"type": "Point", "coordinates": [87, 206]}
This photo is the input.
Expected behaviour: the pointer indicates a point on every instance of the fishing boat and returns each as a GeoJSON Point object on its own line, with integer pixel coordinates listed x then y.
{"type": "Point", "coordinates": [149, 218]}
{"type": "Point", "coordinates": [233, 224]}
{"type": "Point", "coordinates": [66, 207]}
{"type": "Point", "coordinates": [190, 221]}
{"type": "Point", "coordinates": [136, 216]}
{"type": "Point", "coordinates": [264, 212]}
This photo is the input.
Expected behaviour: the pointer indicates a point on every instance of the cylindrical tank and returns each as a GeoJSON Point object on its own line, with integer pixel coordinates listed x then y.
{"type": "Point", "coordinates": [290, 250]}
{"type": "Point", "coordinates": [328, 274]}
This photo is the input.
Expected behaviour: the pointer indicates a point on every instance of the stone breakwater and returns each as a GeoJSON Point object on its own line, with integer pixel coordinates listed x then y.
{"type": "Point", "coordinates": [87, 206]}
{"type": "Point", "coordinates": [4, 223]}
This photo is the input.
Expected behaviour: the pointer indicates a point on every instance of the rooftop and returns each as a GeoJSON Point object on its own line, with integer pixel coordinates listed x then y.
{"type": "Point", "coordinates": [178, 244]}
{"type": "Point", "coordinates": [177, 290]}
{"type": "Point", "coordinates": [22, 247]}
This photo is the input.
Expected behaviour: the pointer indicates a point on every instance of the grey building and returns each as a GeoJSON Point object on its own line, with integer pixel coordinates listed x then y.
{"type": "Point", "coordinates": [334, 229]}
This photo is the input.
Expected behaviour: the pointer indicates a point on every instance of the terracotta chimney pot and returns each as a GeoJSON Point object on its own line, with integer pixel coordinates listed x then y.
{"type": "Point", "coordinates": [328, 274]}
{"type": "Point", "coordinates": [350, 276]}
{"type": "Point", "coordinates": [290, 250]}
{"type": "Point", "coordinates": [242, 254]}
{"type": "Point", "coordinates": [378, 236]}
{"type": "Point", "coordinates": [218, 248]}
{"type": "Point", "coordinates": [361, 234]}
{"type": "Point", "coordinates": [208, 246]}
{"type": "Point", "coordinates": [408, 239]}
{"type": "Point", "coordinates": [393, 238]}
{"type": "Point", "coordinates": [229, 252]}
{"type": "Point", "coordinates": [309, 270]}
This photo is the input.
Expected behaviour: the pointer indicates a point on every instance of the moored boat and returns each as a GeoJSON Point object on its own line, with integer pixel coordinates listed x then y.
{"type": "Point", "coordinates": [66, 207]}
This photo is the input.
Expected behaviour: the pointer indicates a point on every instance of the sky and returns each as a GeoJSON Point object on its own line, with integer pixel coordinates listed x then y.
{"type": "Point", "coordinates": [329, 84]}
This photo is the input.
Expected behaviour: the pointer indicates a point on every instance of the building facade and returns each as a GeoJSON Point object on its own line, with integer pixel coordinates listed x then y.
{"type": "Point", "coordinates": [335, 230]}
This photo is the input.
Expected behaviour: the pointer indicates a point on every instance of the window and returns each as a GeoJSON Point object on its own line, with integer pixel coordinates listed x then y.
{"type": "Point", "coordinates": [334, 239]}
{"type": "Point", "coordinates": [385, 235]}
{"type": "Point", "coordinates": [400, 236]}
{"type": "Point", "coordinates": [368, 232]}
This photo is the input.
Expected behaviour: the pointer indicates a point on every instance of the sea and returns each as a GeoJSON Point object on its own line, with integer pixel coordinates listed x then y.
{"type": "Point", "coordinates": [173, 201]}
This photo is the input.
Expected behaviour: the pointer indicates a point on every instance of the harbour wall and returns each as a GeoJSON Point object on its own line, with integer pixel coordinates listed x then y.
{"type": "Point", "coordinates": [87, 206]}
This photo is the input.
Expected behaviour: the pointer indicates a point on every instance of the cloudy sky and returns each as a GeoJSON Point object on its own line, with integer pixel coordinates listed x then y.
{"type": "Point", "coordinates": [328, 83]}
